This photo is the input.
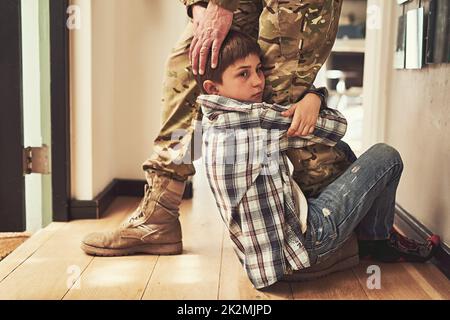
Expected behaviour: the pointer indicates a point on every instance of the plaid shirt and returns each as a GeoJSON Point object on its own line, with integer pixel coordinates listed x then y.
{"type": "Point", "coordinates": [248, 172]}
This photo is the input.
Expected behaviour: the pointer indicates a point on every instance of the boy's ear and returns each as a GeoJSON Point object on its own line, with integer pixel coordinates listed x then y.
{"type": "Point", "coordinates": [210, 87]}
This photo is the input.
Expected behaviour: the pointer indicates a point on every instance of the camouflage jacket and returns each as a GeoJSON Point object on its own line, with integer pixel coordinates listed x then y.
{"type": "Point", "coordinates": [227, 4]}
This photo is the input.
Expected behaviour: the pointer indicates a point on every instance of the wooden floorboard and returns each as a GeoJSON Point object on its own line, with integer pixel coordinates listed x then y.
{"type": "Point", "coordinates": [51, 271]}
{"type": "Point", "coordinates": [27, 249]}
{"type": "Point", "coordinates": [195, 273]}
{"type": "Point", "coordinates": [430, 279]}
{"type": "Point", "coordinates": [114, 278]}
{"type": "Point", "coordinates": [343, 285]}
{"type": "Point", "coordinates": [396, 283]}
{"type": "Point", "coordinates": [51, 265]}
{"type": "Point", "coordinates": [235, 285]}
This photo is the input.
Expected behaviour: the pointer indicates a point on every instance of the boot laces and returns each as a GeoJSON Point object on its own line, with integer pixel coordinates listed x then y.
{"type": "Point", "coordinates": [144, 202]}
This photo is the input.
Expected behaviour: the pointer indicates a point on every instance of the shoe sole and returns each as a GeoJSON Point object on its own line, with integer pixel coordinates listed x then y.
{"type": "Point", "coordinates": [155, 249]}
{"type": "Point", "coordinates": [304, 275]}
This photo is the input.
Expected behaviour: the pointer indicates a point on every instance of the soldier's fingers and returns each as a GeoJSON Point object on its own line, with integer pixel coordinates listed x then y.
{"type": "Point", "coordinates": [195, 56]}
{"type": "Point", "coordinates": [192, 51]}
{"type": "Point", "coordinates": [217, 43]}
{"type": "Point", "coordinates": [311, 130]}
{"type": "Point", "coordinates": [191, 48]}
{"type": "Point", "coordinates": [204, 51]}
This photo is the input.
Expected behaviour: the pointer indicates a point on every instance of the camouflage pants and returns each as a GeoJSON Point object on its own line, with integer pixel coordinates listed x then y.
{"type": "Point", "coordinates": [316, 166]}
{"type": "Point", "coordinates": [296, 38]}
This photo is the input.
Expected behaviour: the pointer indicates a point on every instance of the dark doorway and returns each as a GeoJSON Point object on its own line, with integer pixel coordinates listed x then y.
{"type": "Point", "coordinates": [12, 185]}
{"type": "Point", "coordinates": [12, 180]}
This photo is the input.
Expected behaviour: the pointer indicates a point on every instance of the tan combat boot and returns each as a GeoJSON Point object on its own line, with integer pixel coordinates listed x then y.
{"type": "Point", "coordinates": [153, 228]}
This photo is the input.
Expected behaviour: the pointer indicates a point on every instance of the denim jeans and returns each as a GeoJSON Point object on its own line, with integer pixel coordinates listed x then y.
{"type": "Point", "coordinates": [362, 199]}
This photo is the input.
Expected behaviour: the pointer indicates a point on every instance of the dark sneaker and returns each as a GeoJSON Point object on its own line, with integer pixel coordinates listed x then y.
{"type": "Point", "coordinates": [399, 248]}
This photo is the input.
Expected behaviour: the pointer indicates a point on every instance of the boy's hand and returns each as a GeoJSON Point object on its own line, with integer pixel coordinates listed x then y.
{"type": "Point", "coordinates": [210, 29]}
{"type": "Point", "coordinates": [305, 113]}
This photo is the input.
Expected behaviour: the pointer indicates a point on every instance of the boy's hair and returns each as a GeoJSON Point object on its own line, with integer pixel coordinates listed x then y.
{"type": "Point", "coordinates": [236, 45]}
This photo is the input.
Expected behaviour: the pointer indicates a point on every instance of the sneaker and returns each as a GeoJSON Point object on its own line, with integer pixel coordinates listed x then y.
{"type": "Point", "coordinates": [399, 248]}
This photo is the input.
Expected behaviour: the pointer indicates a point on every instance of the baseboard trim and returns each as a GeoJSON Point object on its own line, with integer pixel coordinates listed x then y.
{"type": "Point", "coordinates": [416, 230]}
{"type": "Point", "coordinates": [94, 209]}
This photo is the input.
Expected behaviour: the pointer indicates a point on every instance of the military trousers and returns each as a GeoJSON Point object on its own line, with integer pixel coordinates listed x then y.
{"type": "Point", "coordinates": [296, 38]}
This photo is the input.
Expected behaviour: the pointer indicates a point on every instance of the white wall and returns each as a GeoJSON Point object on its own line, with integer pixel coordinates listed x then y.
{"type": "Point", "coordinates": [416, 121]}
{"type": "Point", "coordinates": [117, 65]}
{"type": "Point", "coordinates": [81, 104]}
{"type": "Point", "coordinates": [104, 144]}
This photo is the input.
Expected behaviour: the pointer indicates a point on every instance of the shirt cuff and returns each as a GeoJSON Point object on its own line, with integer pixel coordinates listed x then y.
{"type": "Point", "coordinates": [321, 92]}
{"type": "Point", "coordinates": [230, 5]}
{"type": "Point", "coordinates": [190, 3]}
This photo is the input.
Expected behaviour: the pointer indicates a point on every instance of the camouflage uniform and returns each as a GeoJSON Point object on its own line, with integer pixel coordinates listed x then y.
{"type": "Point", "coordinates": [296, 38]}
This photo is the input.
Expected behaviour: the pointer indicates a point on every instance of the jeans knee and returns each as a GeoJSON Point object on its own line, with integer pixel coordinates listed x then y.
{"type": "Point", "coordinates": [389, 153]}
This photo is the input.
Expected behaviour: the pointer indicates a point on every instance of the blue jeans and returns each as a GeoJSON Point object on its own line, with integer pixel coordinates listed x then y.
{"type": "Point", "coordinates": [362, 199]}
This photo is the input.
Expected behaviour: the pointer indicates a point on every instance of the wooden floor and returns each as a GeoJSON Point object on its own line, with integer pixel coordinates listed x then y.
{"type": "Point", "coordinates": [51, 265]}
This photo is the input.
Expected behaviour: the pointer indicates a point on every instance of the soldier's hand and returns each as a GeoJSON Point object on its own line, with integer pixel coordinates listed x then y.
{"type": "Point", "coordinates": [198, 12]}
{"type": "Point", "coordinates": [210, 29]}
{"type": "Point", "coordinates": [305, 114]}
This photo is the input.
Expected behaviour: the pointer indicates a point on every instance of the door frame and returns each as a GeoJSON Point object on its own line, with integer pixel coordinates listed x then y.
{"type": "Point", "coordinates": [378, 63]}
{"type": "Point", "coordinates": [12, 188]}
{"type": "Point", "coordinates": [60, 109]}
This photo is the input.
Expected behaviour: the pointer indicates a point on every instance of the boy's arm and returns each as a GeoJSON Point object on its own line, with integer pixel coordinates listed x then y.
{"type": "Point", "coordinates": [331, 124]}
{"type": "Point", "coordinates": [330, 127]}
{"type": "Point", "coordinates": [306, 110]}
{"type": "Point", "coordinates": [321, 92]}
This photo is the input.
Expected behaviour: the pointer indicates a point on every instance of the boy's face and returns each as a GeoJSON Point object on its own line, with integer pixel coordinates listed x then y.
{"type": "Point", "coordinates": [243, 81]}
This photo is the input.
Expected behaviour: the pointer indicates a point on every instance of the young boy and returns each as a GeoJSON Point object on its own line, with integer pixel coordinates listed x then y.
{"type": "Point", "coordinates": [244, 152]}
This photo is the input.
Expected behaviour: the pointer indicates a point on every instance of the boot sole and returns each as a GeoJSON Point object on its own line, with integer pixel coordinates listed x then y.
{"type": "Point", "coordinates": [303, 275]}
{"type": "Point", "coordinates": [155, 249]}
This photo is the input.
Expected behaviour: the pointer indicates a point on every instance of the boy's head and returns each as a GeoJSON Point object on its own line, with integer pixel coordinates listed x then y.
{"type": "Point", "coordinates": [238, 74]}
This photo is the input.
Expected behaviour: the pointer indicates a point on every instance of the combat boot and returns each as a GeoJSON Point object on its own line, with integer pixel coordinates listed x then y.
{"type": "Point", "coordinates": [153, 228]}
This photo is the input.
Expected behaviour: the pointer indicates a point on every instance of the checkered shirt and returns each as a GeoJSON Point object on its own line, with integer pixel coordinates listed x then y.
{"type": "Point", "coordinates": [244, 155]}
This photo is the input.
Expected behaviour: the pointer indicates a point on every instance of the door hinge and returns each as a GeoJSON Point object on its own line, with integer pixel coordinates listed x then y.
{"type": "Point", "coordinates": [35, 160]}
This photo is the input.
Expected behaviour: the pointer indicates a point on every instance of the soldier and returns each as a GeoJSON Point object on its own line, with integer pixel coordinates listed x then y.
{"type": "Point", "coordinates": [296, 38]}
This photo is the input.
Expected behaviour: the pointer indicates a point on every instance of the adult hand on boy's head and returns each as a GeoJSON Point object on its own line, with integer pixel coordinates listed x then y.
{"type": "Point", "coordinates": [211, 26]}
{"type": "Point", "coordinates": [198, 12]}
{"type": "Point", "coordinates": [305, 114]}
